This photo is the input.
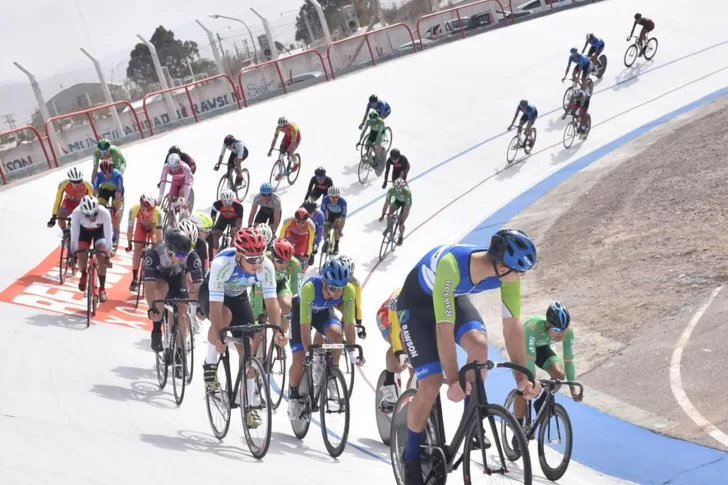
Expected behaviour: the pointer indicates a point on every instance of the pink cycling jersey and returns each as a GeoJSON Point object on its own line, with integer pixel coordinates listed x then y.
{"type": "Point", "coordinates": [181, 179]}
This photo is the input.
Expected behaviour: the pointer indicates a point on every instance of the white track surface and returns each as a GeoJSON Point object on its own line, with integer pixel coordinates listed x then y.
{"type": "Point", "coordinates": [82, 406]}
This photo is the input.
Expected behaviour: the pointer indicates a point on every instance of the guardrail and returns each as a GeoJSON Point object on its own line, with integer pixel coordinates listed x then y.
{"type": "Point", "coordinates": [457, 11]}
{"type": "Point", "coordinates": [40, 140]}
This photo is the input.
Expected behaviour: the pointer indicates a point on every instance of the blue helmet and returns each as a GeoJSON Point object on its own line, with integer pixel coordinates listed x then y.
{"type": "Point", "coordinates": [574, 50]}
{"type": "Point", "coordinates": [336, 273]}
{"type": "Point", "coordinates": [558, 316]}
{"type": "Point", "coordinates": [514, 249]}
{"type": "Point", "coordinates": [266, 189]}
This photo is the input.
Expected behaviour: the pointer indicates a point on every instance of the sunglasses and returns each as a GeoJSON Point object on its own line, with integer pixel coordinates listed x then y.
{"type": "Point", "coordinates": [172, 254]}
{"type": "Point", "coordinates": [267, 195]}
{"type": "Point", "coordinates": [253, 260]}
{"type": "Point", "coordinates": [228, 202]}
{"type": "Point", "coordinates": [279, 260]}
{"type": "Point", "coordinates": [92, 216]}
{"type": "Point", "coordinates": [335, 289]}
{"type": "Point", "coordinates": [557, 330]}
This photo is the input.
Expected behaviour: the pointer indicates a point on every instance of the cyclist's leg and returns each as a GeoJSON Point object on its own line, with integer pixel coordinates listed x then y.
{"type": "Point", "coordinates": [295, 372]}
{"type": "Point", "coordinates": [178, 289]}
{"type": "Point", "coordinates": [218, 228]}
{"type": "Point", "coordinates": [404, 213]}
{"type": "Point", "coordinates": [327, 323]}
{"type": "Point", "coordinates": [338, 233]}
{"type": "Point", "coordinates": [470, 333]}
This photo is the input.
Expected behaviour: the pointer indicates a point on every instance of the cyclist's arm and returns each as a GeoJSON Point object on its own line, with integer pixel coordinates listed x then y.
{"type": "Point", "coordinates": [584, 48]}
{"type": "Point", "coordinates": [342, 201]}
{"type": "Point", "coordinates": [267, 278]}
{"type": "Point", "coordinates": [512, 327]}
{"type": "Point", "coordinates": [75, 230]}
{"type": "Point", "coordinates": [130, 226]}
{"type": "Point", "coordinates": [569, 366]}
{"type": "Point", "coordinates": [157, 225]}
{"type": "Point", "coordinates": [163, 181]}
{"type": "Point", "coordinates": [386, 202]}
{"type": "Point", "coordinates": [634, 25]}
{"type": "Point", "coordinates": [311, 236]}
{"type": "Point", "coordinates": [119, 159]}
{"type": "Point", "coordinates": [59, 196]}
{"type": "Point", "coordinates": [119, 186]}
{"type": "Point", "coordinates": [363, 132]}
{"type": "Point", "coordinates": [284, 228]}
{"type": "Point", "coordinates": [447, 278]}
{"type": "Point", "coordinates": [258, 309]}
{"type": "Point", "coordinates": [296, 276]}
{"type": "Point", "coordinates": [530, 332]}
{"type": "Point", "coordinates": [97, 159]}
{"type": "Point", "coordinates": [222, 154]}
{"type": "Point", "coordinates": [106, 221]}
{"type": "Point", "coordinates": [364, 120]}
{"type": "Point", "coordinates": [513, 122]}
{"type": "Point", "coordinates": [275, 138]}
{"type": "Point", "coordinates": [358, 317]}
{"type": "Point", "coordinates": [307, 296]}
{"type": "Point", "coordinates": [407, 197]}
{"type": "Point", "coordinates": [348, 313]}
{"type": "Point", "coordinates": [253, 211]}
{"type": "Point", "coordinates": [395, 332]}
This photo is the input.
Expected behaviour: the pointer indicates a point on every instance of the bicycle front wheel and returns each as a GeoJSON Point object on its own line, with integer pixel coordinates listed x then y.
{"type": "Point", "coordinates": [335, 406]}
{"type": "Point", "coordinates": [64, 259]}
{"type": "Point", "coordinates": [190, 350]}
{"type": "Point", "coordinates": [651, 49]}
{"type": "Point", "coordinates": [555, 443]}
{"type": "Point", "coordinates": [364, 168]}
{"type": "Point", "coordinates": [569, 135]}
{"type": "Point", "coordinates": [179, 356]}
{"type": "Point", "coordinates": [384, 247]}
{"type": "Point", "coordinates": [349, 372]}
{"type": "Point", "coordinates": [293, 174]}
{"type": "Point", "coordinates": [387, 142]}
{"type": "Point", "coordinates": [224, 183]}
{"type": "Point", "coordinates": [630, 55]}
{"type": "Point", "coordinates": [567, 98]}
{"type": "Point", "coordinates": [218, 401]}
{"type": "Point", "coordinates": [276, 174]}
{"type": "Point", "coordinates": [275, 367]}
{"type": "Point", "coordinates": [512, 150]}
{"type": "Point", "coordinates": [255, 409]}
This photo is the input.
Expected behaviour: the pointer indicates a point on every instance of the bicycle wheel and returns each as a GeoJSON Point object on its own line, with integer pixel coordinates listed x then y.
{"type": "Point", "coordinates": [651, 48]}
{"type": "Point", "coordinates": [512, 149]}
{"type": "Point", "coordinates": [562, 442]}
{"type": "Point", "coordinates": [398, 434]}
{"type": "Point", "coordinates": [364, 168]}
{"type": "Point", "coordinates": [191, 200]}
{"type": "Point", "coordinates": [276, 174]}
{"type": "Point", "coordinates": [511, 454]}
{"type": "Point", "coordinates": [218, 401]}
{"type": "Point", "coordinates": [587, 125]}
{"type": "Point", "coordinates": [630, 55]}
{"type": "Point", "coordinates": [567, 98]}
{"type": "Point", "coordinates": [384, 247]}
{"type": "Point", "coordinates": [224, 183]}
{"type": "Point", "coordinates": [177, 361]}
{"type": "Point", "coordinates": [602, 66]}
{"type": "Point", "coordinates": [589, 85]}
{"type": "Point", "coordinates": [293, 174]}
{"type": "Point", "coordinates": [349, 373]}
{"type": "Point", "coordinates": [569, 134]}
{"type": "Point", "coordinates": [528, 145]}
{"type": "Point", "coordinates": [242, 189]}
{"type": "Point", "coordinates": [334, 439]}
{"type": "Point", "coordinates": [300, 426]}
{"type": "Point", "coordinates": [495, 463]}
{"type": "Point", "coordinates": [90, 293]}
{"type": "Point", "coordinates": [161, 361]}
{"type": "Point", "coordinates": [255, 403]}
{"type": "Point", "coordinates": [64, 259]}
{"type": "Point", "coordinates": [382, 416]}
{"type": "Point", "coordinates": [189, 350]}
{"type": "Point", "coordinates": [275, 367]}
{"type": "Point", "coordinates": [387, 142]}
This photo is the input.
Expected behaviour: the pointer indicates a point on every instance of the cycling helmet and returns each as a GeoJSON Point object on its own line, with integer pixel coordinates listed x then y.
{"type": "Point", "coordinates": [265, 230]}
{"type": "Point", "coordinates": [227, 196]}
{"type": "Point", "coordinates": [399, 184]}
{"type": "Point", "coordinates": [173, 160]}
{"type": "Point", "coordinates": [229, 140]}
{"type": "Point", "coordinates": [336, 274]}
{"type": "Point", "coordinates": [373, 115]}
{"type": "Point", "coordinates": [514, 249]}
{"type": "Point", "coordinates": [203, 221]}
{"type": "Point", "coordinates": [174, 149]}
{"type": "Point", "coordinates": [283, 249]}
{"type": "Point", "coordinates": [75, 175]}
{"type": "Point", "coordinates": [147, 201]}
{"type": "Point", "coordinates": [282, 121]}
{"type": "Point", "coordinates": [301, 214]}
{"type": "Point", "coordinates": [89, 205]}
{"type": "Point", "coordinates": [104, 145]}
{"type": "Point", "coordinates": [177, 241]}
{"type": "Point", "coordinates": [266, 189]}
{"type": "Point", "coordinates": [190, 229]}
{"type": "Point", "coordinates": [637, 16]}
{"type": "Point", "coordinates": [373, 98]}
{"type": "Point", "coordinates": [106, 166]}
{"type": "Point", "coordinates": [590, 36]}
{"type": "Point", "coordinates": [574, 50]}
{"type": "Point", "coordinates": [394, 153]}
{"type": "Point", "coordinates": [310, 205]}
{"type": "Point", "coordinates": [558, 316]}
{"type": "Point", "coordinates": [523, 104]}
{"type": "Point", "coordinates": [333, 191]}
{"type": "Point", "coordinates": [320, 172]}
{"type": "Point", "coordinates": [347, 261]}
{"type": "Point", "coordinates": [249, 241]}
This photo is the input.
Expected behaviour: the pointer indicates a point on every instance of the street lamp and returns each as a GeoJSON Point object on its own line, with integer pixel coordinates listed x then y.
{"type": "Point", "coordinates": [255, 50]}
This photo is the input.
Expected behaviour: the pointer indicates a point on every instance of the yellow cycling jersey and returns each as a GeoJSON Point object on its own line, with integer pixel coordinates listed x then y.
{"type": "Point", "coordinates": [357, 300]}
{"type": "Point", "coordinates": [74, 194]}
{"type": "Point", "coordinates": [145, 220]}
{"type": "Point", "coordinates": [395, 337]}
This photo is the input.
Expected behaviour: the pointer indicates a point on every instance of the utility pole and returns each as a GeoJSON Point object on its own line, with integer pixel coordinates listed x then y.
{"type": "Point", "coordinates": [10, 121]}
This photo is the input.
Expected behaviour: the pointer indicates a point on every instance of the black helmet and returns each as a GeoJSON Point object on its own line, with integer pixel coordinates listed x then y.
{"type": "Point", "coordinates": [373, 98]}
{"type": "Point", "coordinates": [523, 104]}
{"type": "Point", "coordinates": [229, 140]}
{"type": "Point", "coordinates": [174, 149]}
{"type": "Point", "coordinates": [310, 205]}
{"type": "Point", "coordinates": [104, 144]}
{"type": "Point", "coordinates": [637, 16]}
{"type": "Point", "coordinates": [320, 172]}
{"type": "Point", "coordinates": [558, 316]}
{"type": "Point", "coordinates": [590, 36]}
{"type": "Point", "coordinates": [394, 153]}
{"type": "Point", "coordinates": [177, 241]}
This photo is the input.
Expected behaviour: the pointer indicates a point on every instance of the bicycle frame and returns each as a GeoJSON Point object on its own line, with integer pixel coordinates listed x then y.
{"type": "Point", "coordinates": [547, 408]}
{"type": "Point", "coordinates": [327, 362]}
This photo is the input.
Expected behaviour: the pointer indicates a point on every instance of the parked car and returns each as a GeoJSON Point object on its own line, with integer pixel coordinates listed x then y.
{"type": "Point", "coordinates": [305, 76]}
{"type": "Point", "coordinates": [534, 6]}
{"type": "Point", "coordinates": [450, 27]}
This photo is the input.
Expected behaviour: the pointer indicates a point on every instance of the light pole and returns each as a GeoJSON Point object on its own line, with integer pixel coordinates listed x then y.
{"type": "Point", "coordinates": [255, 51]}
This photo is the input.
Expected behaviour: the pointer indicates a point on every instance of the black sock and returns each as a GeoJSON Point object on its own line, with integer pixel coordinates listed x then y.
{"type": "Point", "coordinates": [102, 282]}
{"type": "Point", "coordinates": [389, 378]}
{"type": "Point", "coordinates": [134, 274]}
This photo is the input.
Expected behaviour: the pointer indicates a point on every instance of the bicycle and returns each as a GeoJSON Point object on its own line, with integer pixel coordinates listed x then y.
{"type": "Point", "coordinates": [319, 401]}
{"type": "Point", "coordinates": [438, 458]}
{"type": "Point", "coordinates": [327, 251]}
{"type": "Point", "coordinates": [140, 275]}
{"type": "Point", "coordinates": [550, 408]}
{"type": "Point", "coordinates": [383, 412]}
{"type": "Point", "coordinates": [637, 49]}
{"type": "Point", "coordinates": [575, 85]}
{"type": "Point", "coordinates": [172, 212]}
{"type": "Point", "coordinates": [597, 69]}
{"type": "Point", "coordinates": [175, 352]}
{"type": "Point", "coordinates": [390, 237]}
{"type": "Point", "coordinates": [225, 398]}
{"type": "Point", "coordinates": [573, 127]}
{"type": "Point", "coordinates": [274, 363]}
{"type": "Point", "coordinates": [350, 367]}
{"type": "Point", "coordinates": [281, 169]}
{"type": "Point", "coordinates": [225, 238]}
{"type": "Point", "coordinates": [520, 143]}
{"type": "Point", "coordinates": [67, 260]}
{"type": "Point", "coordinates": [227, 182]}
{"type": "Point", "coordinates": [367, 160]}
{"type": "Point", "coordinates": [92, 295]}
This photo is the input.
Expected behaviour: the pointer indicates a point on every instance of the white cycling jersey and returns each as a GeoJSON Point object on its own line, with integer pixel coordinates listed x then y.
{"type": "Point", "coordinates": [238, 148]}
{"type": "Point", "coordinates": [229, 279]}
{"type": "Point", "coordinates": [79, 219]}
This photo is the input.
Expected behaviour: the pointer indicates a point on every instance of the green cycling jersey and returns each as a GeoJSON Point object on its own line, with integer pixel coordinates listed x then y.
{"type": "Point", "coordinates": [288, 282]}
{"type": "Point", "coordinates": [404, 195]}
{"type": "Point", "coordinates": [115, 155]}
{"type": "Point", "coordinates": [538, 336]}
{"type": "Point", "coordinates": [377, 128]}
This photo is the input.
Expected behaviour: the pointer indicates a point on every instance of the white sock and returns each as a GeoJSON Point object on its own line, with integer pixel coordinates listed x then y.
{"type": "Point", "coordinates": [212, 354]}
{"type": "Point", "coordinates": [251, 390]}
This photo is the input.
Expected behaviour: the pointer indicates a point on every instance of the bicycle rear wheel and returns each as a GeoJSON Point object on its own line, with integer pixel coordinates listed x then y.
{"type": "Point", "coordinates": [275, 367]}
{"type": "Point", "coordinates": [566, 101]}
{"type": "Point", "coordinates": [276, 174]}
{"type": "Point", "coordinates": [256, 403]}
{"type": "Point", "coordinates": [528, 145]}
{"type": "Point", "coordinates": [569, 134]}
{"type": "Point", "coordinates": [562, 440]}
{"type": "Point", "coordinates": [179, 355]}
{"type": "Point", "coordinates": [651, 48]}
{"type": "Point", "coordinates": [331, 406]}
{"type": "Point", "coordinates": [293, 174]}
{"type": "Point", "coordinates": [242, 189]}
{"type": "Point", "coordinates": [587, 125]}
{"type": "Point", "coordinates": [218, 401]}
{"type": "Point", "coordinates": [602, 66]}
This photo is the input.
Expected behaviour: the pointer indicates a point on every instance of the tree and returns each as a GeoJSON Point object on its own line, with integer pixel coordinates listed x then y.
{"type": "Point", "coordinates": [332, 12]}
{"type": "Point", "coordinates": [173, 53]}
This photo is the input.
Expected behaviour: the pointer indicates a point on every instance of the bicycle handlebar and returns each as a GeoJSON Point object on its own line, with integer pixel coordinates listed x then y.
{"type": "Point", "coordinates": [490, 365]}
{"type": "Point", "coordinates": [245, 329]}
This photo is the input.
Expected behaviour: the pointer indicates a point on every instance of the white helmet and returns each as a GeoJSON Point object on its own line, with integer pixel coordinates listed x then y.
{"type": "Point", "coordinates": [148, 201]}
{"type": "Point", "coordinates": [89, 205]}
{"type": "Point", "coordinates": [266, 231]}
{"type": "Point", "coordinates": [227, 195]}
{"type": "Point", "coordinates": [198, 222]}
{"type": "Point", "coordinates": [282, 121]}
{"type": "Point", "coordinates": [190, 228]}
{"type": "Point", "coordinates": [173, 160]}
{"type": "Point", "coordinates": [75, 175]}
{"type": "Point", "coordinates": [333, 190]}
{"type": "Point", "coordinates": [347, 261]}
{"type": "Point", "coordinates": [399, 184]}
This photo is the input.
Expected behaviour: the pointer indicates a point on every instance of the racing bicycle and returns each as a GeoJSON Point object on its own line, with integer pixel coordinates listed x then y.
{"type": "Point", "coordinates": [67, 260]}
{"type": "Point", "coordinates": [389, 239]}
{"type": "Point", "coordinates": [575, 86]}
{"type": "Point", "coordinates": [174, 353]}
{"type": "Point", "coordinates": [284, 169]}
{"type": "Point", "coordinates": [228, 179]}
{"type": "Point", "coordinates": [368, 158]}
{"type": "Point", "coordinates": [572, 129]}
{"type": "Point", "coordinates": [519, 142]}
{"type": "Point", "coordinates": [383, 411]}
{"type": "Point", "coordinates": [637, 49]}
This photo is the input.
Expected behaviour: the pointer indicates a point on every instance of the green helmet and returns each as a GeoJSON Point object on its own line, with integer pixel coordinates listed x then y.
{"type": "Point", "coordinates": [104, 144]}
{"type": "Point", "coordinates": [373, 115]}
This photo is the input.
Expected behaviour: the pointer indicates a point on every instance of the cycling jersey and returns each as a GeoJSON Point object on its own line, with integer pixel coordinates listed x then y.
{"type": "Point", "coordinates": [382, 108]}
{"type": "Point", "coordinates": [444, 273]}
{"type": "Point", "coordinates": [114, 155]}
{"type": "Point", "coordinates": [318, 219]}
{"type": "Point", "coordinates": [158, 264]}
{"type": "Point", "coordinates": [538, 336]}
{"type": "Point", "coordinates": [312, 301]}
{"type": "Point", "coordinates": [73, 194]}
{"type": "Point", "coordinates": [316, 188]}
{"type": "Point", "coordinates": [388, 322]}
{"type": "Point", "coordinates": [229, 212]}
{"type": "Point", "coordinates": [597, 43]}
{"type": "Point", "coordinates": [301, 236]}
{"type": "Point", "coordinates": [404, 196]}
{"type": "Point", "coordinates": [287, 282]}
{"type": "Point", "coordinates": [271, 202]}
{"type": "Point", "coordinates": [226, 278]}
{"type": "Point", "coordinates": [80, 220]}
{"type": "Point", "coordinates": [237, 148]}
{"type": "Point", "coordinates": [338, 208]}
{"type": "Point", "coordinates": [357, 299]}
{"type": "Point", "coordinates": [530, 112]}
{"type": "Point", "coordinates": [181, 176]}
{"type": "Point", "coordinates": [581, 60]}
{"type": "Point", "coordinates": [113, 183]}
{"type": "Point", "coordinates": [145, 218]}
{"type": "Point", "coordinates": [581, 98]}
{"type": "Point", "coordinates": [400, 168]}
{"type": "Point", "coordinates": [290, 131]}
{"type": "Point", "coordinates": [375, 126]}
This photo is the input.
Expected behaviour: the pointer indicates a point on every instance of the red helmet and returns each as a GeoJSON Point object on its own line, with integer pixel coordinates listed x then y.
{"type": "Point", "coordinates": [250, 241]}
{"type": "Point", "coordinates": [283, 249]}
{"type": "Point", "coordinates": [301, 214]}
{"type": "Point", "coordinates": [106, 166]}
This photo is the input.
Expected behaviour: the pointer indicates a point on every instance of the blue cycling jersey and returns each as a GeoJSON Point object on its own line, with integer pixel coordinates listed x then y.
{"type": "Point", "coordinates": [227, 278]}
{"type": "Point", "coordinates": [320, 303]}
{"type": "Point", "coordinates": [597, 43]}
{"type": "Point", "coordinates": [382, 108]}
{"type": "Point", "coordinates": [427, 268]}
{"type": "Point", "coordinates": [582, 61]}
{"type": "Point", "coordinates": [114, 183]}
{"type": "Point", "coordinates": [530, 111]}
{"type": "Point", "coordinates": [318, 219]}
{"type": "Point", "coordinates": [338, 208]}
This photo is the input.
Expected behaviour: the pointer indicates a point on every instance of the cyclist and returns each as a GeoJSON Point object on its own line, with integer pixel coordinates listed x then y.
{"type": "Point", "coordinates": [148, 217]}
{"type": "Point", "coordinates": [647, 26]}
{"type": "Point", "coordinates": [314, 307]}
{"type": "Point", "coordinates": [381, 107]}
{"type": "Point", "coordinates": [231, 214]}
{"type": "Point", "coordinates": [398, 197]}
{"type": "Point", "coordinates": [388, 323]}
{"type": "Point", "coordinates": [107, 151]}
{"type": "Point", "coordinates": [182, 156]}
{"type": "Point", "coordinates": [288, 278]}
{"type": "Point", "coordinates": [204, 233]}
{"type": "Point", "coordinates": [267, 233]}
{"type": "Point", "coordinates": [182, 180]}
{"type": "Point", "coordinates": [435, 313]}
{"type": "Point", "coordinates": [317, 216]}
{"type": "Point", "coordinates": [266, 208]}
{"type": "Point", "coordinates": [400, 167]}
{"type": "Point", "coordinates": [579, 100]}
{"type": "Point", "coordinates": [597, 46]}
{"type": "Point", "coordinates": [109, 184]}
{"type": "Point", "coordinates": [528, 118]}
{"type": "Point", "coordinates": [582, 66]}
{"type": "Point", "coordinates": [165, 269]}
{"type": "Point", "coordinates": [189, 227]}
{"type": "Point", "coordinates": [91, 221]}
{"type": "Point", "coordinates": [68, 196]}
{"type": "Point", "coordinates": [376, 127]}
{"type": "Point", "coordinates": [291, 140]}
{"type": "Point", "coordinates": [238, 154]}
{"type": "Point", "coordinates": [300, 231]}
{"type": "Point", "coordinates": [318, 185]}
{"type": "Point", "coordinates": [334, 208]}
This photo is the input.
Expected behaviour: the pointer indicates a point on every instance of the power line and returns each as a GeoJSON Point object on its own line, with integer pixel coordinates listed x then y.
{"type": "Point", "coordinates": [10, 121]}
